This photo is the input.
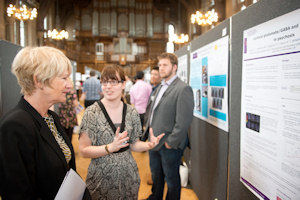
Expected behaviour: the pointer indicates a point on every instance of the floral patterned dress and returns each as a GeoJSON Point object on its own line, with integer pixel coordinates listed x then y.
{"type": "Point", "coordinates": [66, 111]}
{"type": "Point", "coordinates": [114, 176]}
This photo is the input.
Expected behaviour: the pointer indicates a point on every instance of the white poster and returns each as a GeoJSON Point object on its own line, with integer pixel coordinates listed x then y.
{"type": "Point", "coordinates": [209, 81]}
{"type": "Point", "coordinates": [182, 68]}
{"type": "Point", "coordinates": [270, 109]}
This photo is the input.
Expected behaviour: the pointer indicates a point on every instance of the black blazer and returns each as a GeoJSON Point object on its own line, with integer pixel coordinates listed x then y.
{"type": "Point", "coordinates": [32, 165]}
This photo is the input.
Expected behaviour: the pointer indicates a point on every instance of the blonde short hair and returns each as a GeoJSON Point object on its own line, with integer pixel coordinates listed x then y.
{"type": "Point", "coordinates": [45, 63]}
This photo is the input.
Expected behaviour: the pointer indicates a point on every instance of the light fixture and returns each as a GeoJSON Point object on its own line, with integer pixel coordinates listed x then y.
{"type": "Point", "coordinates": [54, 34]}
{"type": "Point", "coordinates": [180, 39]}
{"type": "Point", "coordinates": [22, 13]}
{"type": "Point", "coordinates": [204, 19]}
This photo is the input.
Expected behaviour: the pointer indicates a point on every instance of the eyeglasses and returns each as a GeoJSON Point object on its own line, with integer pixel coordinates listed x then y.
{"type": "Point", "coordinates": [112, 82]}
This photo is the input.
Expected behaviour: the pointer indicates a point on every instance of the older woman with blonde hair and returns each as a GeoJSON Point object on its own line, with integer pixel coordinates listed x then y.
{"type": "Point", "coordinates": [35, 152]}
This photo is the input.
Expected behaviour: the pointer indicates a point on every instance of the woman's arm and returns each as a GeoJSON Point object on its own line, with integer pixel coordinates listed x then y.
{"type": "Point", "coordinates": [87, 150]}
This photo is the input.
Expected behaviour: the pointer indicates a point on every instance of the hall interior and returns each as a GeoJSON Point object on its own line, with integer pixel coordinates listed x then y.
{"type": "Point", "coordinates": [128, 33]}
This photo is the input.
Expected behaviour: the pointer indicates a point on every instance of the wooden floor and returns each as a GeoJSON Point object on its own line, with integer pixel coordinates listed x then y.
{"type": "Point", "coordinates": [142, 160]}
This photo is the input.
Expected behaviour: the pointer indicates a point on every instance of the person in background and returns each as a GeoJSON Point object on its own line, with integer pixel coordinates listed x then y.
{"type": "Point", "coordinates": [110, 130]}
{"type": "Point", "coordinates": [91, 89]}
{"type": "Point", "coordinates": [139, 95]}
{"type": "Point", "coordinates": [35, 152]}
{"type": "Point", "coordinates": [171, 113]}
{"type": "Point", "coordinates": [67, 113]}
{"type": "Point", "coordinates": [78, 88]}
{"type": "Point", "coordinates": [155, 80]}
{"type": "Point", "coordinates": [128, 86]}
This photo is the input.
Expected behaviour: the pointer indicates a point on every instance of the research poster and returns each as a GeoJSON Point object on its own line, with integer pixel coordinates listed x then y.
{"type": "Point", "coordinates": [209, 81]}
{"type": "Point", "coordinates": [270, 109]}
{"type": "Point", "coordinates": [182, 68]}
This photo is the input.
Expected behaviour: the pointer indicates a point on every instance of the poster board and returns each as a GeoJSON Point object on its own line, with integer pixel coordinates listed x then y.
{"type": "Point", "coordinates": [256, 14]}
{"type": "Point", "coordinates": [270, 108]}
{"type": "Point", "coordinates": [209, 81]}
{"type": "Point", "coordinates": [209, 143]}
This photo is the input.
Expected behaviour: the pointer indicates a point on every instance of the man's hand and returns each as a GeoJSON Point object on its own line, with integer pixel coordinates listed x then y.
{"type": "Point", "coordinates": [167, 146]}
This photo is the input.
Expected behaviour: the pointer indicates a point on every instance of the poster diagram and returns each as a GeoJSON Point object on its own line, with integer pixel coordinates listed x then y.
{"type": "Point", "coordinates": [182, 68]}
{"type": "Point", "coordinates": [270, 109]}
{"type": "Point", "coordinates": [209, 81]}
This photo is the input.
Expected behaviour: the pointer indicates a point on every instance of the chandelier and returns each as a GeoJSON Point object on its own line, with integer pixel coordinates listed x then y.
{"type": "Point", "coordinates": [180, 39]}
{"type": "Point", "coordinates": [22, 13]}
{"type": "Point", "coordinates": [54, 34]}
{"type": "Point", "coordinates": [204, 19]}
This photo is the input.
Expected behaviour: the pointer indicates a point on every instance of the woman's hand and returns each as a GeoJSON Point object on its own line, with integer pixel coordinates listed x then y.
{"type": "Point", "coordinates": [153, 141]}
{"type": "Point", "coordinates": [120, 141]}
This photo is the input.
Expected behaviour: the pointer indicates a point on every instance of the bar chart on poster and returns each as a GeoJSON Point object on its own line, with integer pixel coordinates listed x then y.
{"type": "Point", "coordinates": [270, 109]}
{"type": "Point", "coordinates": [209, 81]}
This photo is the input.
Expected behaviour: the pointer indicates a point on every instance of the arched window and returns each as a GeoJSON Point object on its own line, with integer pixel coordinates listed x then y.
{"type": "Point", "coordinates": [45, 26]}
{"type": "Point", "coordinates": [170, 44]}
{"type": "Point", "coordinates": [22, 33]}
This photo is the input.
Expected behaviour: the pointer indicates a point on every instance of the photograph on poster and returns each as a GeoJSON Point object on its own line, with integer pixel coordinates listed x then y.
{"type": "Point", "coordinates": [204, 90]}
{"type": "Point", "coordinates": [217, 103]}
{"type": "Point", "coordinates": [204, 74]}
{"type": "Point", "coordinates": [217, 92]}
{"type": "Point", "coordinates": [252, 121]}
{"type": "Point", "coordinates": [198, 100]}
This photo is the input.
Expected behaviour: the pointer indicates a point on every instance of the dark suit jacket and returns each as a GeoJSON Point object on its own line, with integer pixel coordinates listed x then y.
{"type": "Point", "coordinates": [32, 165]}
{"type": "Point", "coordinates": [173, 115]}
{"type": "Point", "coordinates": [148, 110]}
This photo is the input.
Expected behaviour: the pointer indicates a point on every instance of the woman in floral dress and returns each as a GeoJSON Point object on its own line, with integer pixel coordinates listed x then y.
{"type": "Point", "coordinates": [110, 130]}
{"type": "Point", "coordinates": [67, 113]}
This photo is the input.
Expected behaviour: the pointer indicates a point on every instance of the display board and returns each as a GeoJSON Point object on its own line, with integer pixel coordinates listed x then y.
{"type": "Point", "coordinates": [209, 143]}
{"type": "Point", "coordinates": [10, 90]}
{"type": "Point", "coordinates": [209, 81]}
{"type": "Point", "coordinates": [257, 14]}
{"type": "Point", "coordinates": [183, 73]}
{"type": "Point", "coordinates": [270, 108]}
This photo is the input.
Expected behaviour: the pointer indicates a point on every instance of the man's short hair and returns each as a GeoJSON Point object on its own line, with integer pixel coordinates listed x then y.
{"type": "Point", "coordinates": [140, 75]}
{"type": "Point", "coordinates": [155, 68]}
{"type": "Point", "coordinates": [92, 73]}
{"type": "Point", "coordinates": [171, 56]}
